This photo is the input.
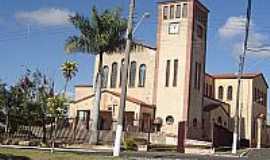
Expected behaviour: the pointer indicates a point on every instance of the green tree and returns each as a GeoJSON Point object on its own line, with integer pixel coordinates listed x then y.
{"type": "Point", "coordinates": [56, 109]}
{"type": "Point", "coordinates": [69, 70]}
{"type": "Point", "coordinates": [102, 33]}
{"type": "Point", "coordinates": [3, 103]}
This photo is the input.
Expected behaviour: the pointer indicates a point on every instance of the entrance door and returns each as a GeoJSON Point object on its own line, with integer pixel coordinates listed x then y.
{"type": "Point", "coordinates": [146, 122]}
{"type": "Point", "coordinates": [128, 120]}
{"type": "Point", "coordinates": [105, 120]}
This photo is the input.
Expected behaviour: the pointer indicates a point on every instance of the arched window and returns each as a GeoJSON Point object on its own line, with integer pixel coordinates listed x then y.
{"type": "Point", "coordinates": [105, 75]}
{"type": "Point", "coordinates": [220, 92]}
{"type": "Point", "coordinates": [169, 120]}
{"type": "Point", "coordinates": [114, 75]}
{"type": "Point", "coordinates": [121, 70]}
{"type": "Point", "coordinates": [132, 74]}
{"type": "Point", "coordinates": [220, 120]}
{"type": "Point", "coordinates": [195, 122]}
{"type": "Point", "coordinates": [142, 75]}
{"type": "Point", "coordinates": [229, 93]}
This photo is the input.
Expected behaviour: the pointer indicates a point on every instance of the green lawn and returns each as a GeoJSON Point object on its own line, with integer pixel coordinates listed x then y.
{"type": "Point", "coordinates": [20, 154]}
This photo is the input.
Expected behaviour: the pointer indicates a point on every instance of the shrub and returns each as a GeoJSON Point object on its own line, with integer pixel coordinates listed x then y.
{"type": "Point", "coordinates": [130, 144]}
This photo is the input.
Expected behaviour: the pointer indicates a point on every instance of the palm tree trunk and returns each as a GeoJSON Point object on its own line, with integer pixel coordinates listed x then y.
{"type": "Point", "coordinates": [7, 122]}
{"type": "Point", "coordinates": [54, 134]}
{"type": "Point", "coordinates": [65, 89]}
{"type": "Point", "coordinates": [96, 109]}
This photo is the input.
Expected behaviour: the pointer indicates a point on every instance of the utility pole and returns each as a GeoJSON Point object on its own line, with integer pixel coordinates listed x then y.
{"type": "Point", "coordinates": [239, 76]}
{"type": "Point", "coordinates": [119, 128]}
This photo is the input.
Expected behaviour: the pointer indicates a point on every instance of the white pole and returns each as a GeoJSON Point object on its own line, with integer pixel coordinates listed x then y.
{"type": "Point", "coordinates": [117, 142]}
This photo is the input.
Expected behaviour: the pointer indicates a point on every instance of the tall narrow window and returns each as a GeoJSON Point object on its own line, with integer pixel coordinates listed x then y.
{"type": "Point", "coordinates": [184, 12]}
{"type": "Point", "coordinates": [211, 91]}
{"type": "Point", "coordinates": [142, 75]}
{"type": "Point", "coordinates": [168, 70]}
{"type": "Point", "coordinates": [197, 79]}
{"type": "Point", "coordinates": [175, 72]}
{"type": "Point", "coordinates": [165, 12]}
{"type": "Point", "coordinates": [132, 75]}
{"type": "Point", "coordinates": [220, 92]}
{"type": "Point", "coordinates": [199, 75]}
{"type": "Point", "coordinates": [105, 76]}
{"type": "Point", "coordinates": [114, 75]}
{"type": "Point", "coordinates": [121, 70]}
{"type": "Point", "coordinates": [200, 31]}
{"type": "Point", "coordinates": [178, 11]}
{"type": "Point", "coordinates": [206, 90]}
{"type": "Point", "coordinates": [229, 93]}
{"type": "Point", "coordinates": [172, 12]}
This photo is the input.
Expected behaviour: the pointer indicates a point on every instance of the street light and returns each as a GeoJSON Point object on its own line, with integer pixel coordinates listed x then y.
{"type": "Point", "coordinates": [145, 15]}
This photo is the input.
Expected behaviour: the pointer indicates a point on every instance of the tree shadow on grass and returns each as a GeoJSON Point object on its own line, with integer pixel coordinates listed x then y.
{"type": "Point", "coordinates": [12, 157]}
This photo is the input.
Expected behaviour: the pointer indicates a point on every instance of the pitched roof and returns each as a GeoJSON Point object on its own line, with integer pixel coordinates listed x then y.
{"type": "Point", "coordinates": [144, 44]}
{"type": "Point", "coordinates": [129, 98]}
{"type": "Point", "coordinates": [214, 104]}
{"type": "Point", "coordinates": [244, 76]}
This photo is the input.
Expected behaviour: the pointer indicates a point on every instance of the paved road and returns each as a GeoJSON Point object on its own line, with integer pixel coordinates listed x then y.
{"type": "Point", "coordinates": [176, 156]}
{"type": "Point", "coordinates": [262, 154]}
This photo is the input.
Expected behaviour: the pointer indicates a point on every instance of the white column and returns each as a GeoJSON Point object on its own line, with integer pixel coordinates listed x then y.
{"type": "Point", "coordinates": [259, 132]}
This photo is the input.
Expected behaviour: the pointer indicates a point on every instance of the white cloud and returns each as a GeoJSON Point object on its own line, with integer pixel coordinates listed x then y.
{"type": "Point", "coordinates": [233, 32]}
{"type": "Point", "coordinates": [45, 16]}
{"type": "Point", "coordinates": [234, 26]}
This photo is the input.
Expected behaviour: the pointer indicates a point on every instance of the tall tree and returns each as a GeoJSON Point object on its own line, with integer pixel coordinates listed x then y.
{"type": "Point", "coordinates": [101, 33]}
{"type": "Point", "coordinates": [69, 70]}
{"type": "Point", "coordinates": [3, 103]}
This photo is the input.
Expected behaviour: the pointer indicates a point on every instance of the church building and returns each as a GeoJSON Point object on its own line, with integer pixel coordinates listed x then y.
{"type": "Point", "coordinates": [168, 84]}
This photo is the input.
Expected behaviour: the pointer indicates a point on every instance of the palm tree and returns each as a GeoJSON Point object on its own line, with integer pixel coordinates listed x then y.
{"type": "Point", "coordinates": [101, 33]}
{"type": "Point", "coordinates": [69, 70]}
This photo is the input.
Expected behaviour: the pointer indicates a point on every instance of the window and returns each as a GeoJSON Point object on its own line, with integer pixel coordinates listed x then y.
{"type": "Point", "coordinates": [167, 81]}
{"type": "Point", "coordinates": [203, 123]}
{"type": "Point", "coordinates": [197, 79]}
{"type": "Point", "coordinates": [206, 89]}
{"type": "Point", "coordinates": [219, 120]}
{"type": "Point", "coordinates": [83, 115]}
{"type": "Point", "coordinates": [211, 91]}
{"type": "Point", "coordinates": [165, 12]}
{"type": "Point", "coordinates": [142, 75]}
{"type": "Point", "coordinates": [195, 122]}
{"type": "Point", "coordinates": [132, 75]}
{"type": "Point", "coordinates": [229, 93]}
{"type": "Point", "coordinates": [172, 12]}
{"type": "Point", "coordinates": [105, 76]}
{"type": "Point", "coordinates": [175, 72]}
{"type": "Point", "coordinates": [184, 12]}
{"type": "Point", "coordinates": [220, 92]}
{"type": "Point", "coordinates": [169, 120]}
{"type": "Point", "coordinates": [114, 75]}
{"type": "Point", "coordinates": [199, 31]}
{"type": "Point", "coordinates": [178, 11]}
{"type": "Point", "coordinates": [121, 70]}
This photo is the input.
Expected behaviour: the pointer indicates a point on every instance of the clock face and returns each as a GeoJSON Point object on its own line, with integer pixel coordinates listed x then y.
{"type": "Point", "coordinates": [174, 28]}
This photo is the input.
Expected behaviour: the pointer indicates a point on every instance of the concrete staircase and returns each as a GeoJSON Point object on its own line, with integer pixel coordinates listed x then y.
{"type": "Point", "coordinates": [198, 147]}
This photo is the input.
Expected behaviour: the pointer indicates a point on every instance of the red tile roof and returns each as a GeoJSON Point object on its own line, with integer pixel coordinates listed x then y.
{"type": "Point", "coordinates": [234, 75]}
{"type": "Point", "coordinates": [129, 98]}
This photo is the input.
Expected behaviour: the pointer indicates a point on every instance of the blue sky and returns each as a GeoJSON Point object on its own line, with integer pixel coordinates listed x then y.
{"type": "Point", "coordinates": [33, 34]}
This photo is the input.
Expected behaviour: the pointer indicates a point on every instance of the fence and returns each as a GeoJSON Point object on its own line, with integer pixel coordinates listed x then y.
{"type": "Point", "coordinates": [67, 130]}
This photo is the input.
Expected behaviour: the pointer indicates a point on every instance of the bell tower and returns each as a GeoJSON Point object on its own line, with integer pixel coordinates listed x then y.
{"type": "Point", "coordinates": [181, 51]}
